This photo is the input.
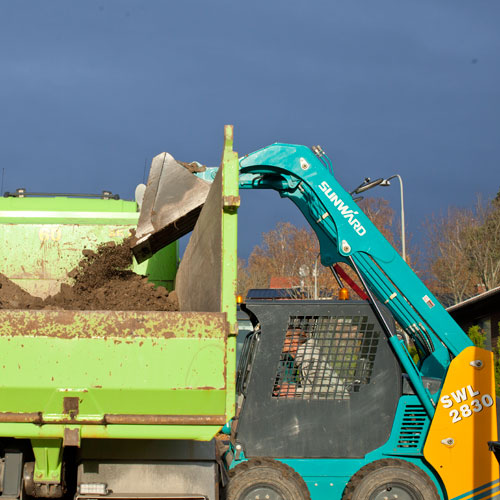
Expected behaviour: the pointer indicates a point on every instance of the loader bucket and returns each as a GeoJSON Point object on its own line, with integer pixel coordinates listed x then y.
{"type": "Point", "coordinates": [172, 202]}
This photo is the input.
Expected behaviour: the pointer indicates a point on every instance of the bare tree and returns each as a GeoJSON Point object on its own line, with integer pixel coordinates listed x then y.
{"type": "Point", "coordinates": [452, 278]}
{"type": "Point", "coordinates": [483, 244]}
{"type": "Point", "coordinates": [286, 252]}
{"type": "Point", "coordinates": [464, 251]}
{"type": "Point", "coordinates": [291, 252]}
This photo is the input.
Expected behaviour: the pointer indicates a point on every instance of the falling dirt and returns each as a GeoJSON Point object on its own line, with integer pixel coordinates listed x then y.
{"type": "Point", "coordinates": [100, 282]}
{"type": "Point", "coordinates": [193, 167]}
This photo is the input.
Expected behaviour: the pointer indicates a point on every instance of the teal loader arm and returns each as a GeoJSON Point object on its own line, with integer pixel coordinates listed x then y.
{"type": "Point", "coordinates": [347, 235]}
{"type": "Point", "coordinates": [345, 232]}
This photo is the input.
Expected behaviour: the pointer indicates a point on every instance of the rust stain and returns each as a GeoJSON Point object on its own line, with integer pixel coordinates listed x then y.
{"type": "Point", "coordinates": [71, 406]}
{"type": "Point", "coordinates": [31, 418]}
{"type": "Point", "coordinates": [126, 419]}
{"type": "Point", "coordinates": [166, 419]}
{"type": "Point", "coordinates": [112, 324]}
{"type": "Point", "coordinates": [231, 202]}
{"type": "Point", "coordinates": [71, 437]}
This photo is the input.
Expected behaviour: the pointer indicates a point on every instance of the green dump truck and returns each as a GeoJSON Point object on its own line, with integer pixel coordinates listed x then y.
{"type": "Point", "coordinates": [121, 401]}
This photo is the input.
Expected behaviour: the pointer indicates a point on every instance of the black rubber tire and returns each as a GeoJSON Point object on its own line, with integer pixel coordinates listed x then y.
{"type": "Point", "coordinates": [378, 479]}
{"type": "Point", "coordinates": [266, 478]}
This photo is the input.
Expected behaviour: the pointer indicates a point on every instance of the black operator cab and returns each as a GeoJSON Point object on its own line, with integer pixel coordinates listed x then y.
{"type": "Point", "coordinates": [315, 379]}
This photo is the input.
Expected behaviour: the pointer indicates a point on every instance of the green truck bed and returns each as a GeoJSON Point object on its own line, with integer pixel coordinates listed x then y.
{"type": "Point", "coordinates": [72, 375]}
{"type": "Point", "coordinates": [43, 238]}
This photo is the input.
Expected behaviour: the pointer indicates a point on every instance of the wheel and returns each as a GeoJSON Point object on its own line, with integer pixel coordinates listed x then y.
{"type": "Point", "coordinates": [390, 480]}
{"type": "Point", "coordinates": [265, 479]}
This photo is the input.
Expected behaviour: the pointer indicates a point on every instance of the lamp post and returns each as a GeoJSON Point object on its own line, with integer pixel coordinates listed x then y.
{"type": "Point", "coordinates": [369, 184]}
{"type": "Point", "coordinates": [315, 274]}
{"type": "Point", "coordinates": [386, 182]}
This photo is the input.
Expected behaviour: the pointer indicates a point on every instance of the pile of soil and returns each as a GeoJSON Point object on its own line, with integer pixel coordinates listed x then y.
{"type": "Point", "coordinates": [12, 296]}
{"type": "Point", "coordinates": [101, 282]}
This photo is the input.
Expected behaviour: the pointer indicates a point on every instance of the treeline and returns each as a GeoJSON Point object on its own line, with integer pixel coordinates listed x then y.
{"type": "Point", "coordinates": [461, 258]}
{"type": "Point", "coordinates": [293, 253]}
{"type": "Point", "coordinates": [464, 251]}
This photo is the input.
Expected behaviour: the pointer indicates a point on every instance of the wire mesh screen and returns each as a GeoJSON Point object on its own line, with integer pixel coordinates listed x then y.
{"type": "Point", "coordinates": [326, 357]}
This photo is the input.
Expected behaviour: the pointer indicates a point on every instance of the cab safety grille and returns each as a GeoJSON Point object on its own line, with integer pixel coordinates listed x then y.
{"type": "Point", "coordinates": [326, 357]}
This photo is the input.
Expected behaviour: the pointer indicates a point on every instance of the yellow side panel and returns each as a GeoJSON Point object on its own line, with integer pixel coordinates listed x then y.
{"type": "Point", "coordinates": [464, 422]}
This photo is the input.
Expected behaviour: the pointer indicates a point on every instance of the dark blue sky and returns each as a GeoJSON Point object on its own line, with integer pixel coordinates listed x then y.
{"type": "Point", "coordinates": [91, 89]}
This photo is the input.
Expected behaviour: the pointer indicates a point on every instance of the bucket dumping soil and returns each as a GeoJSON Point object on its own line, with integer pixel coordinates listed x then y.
{"type": "Point", "coordinates": [100, 282]}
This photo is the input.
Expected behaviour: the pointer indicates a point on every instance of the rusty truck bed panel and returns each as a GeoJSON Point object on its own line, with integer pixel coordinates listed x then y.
{"type": "Point", "coordinates": [113, 367]}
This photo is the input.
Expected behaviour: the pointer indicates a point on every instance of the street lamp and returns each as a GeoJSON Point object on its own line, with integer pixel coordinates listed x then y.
{"type": "Point", "coordinates": [368, 184]}
{"type": "Point", "coordinates": [386, 182]}
{"type": "Point", "coordinates": [315, 274]}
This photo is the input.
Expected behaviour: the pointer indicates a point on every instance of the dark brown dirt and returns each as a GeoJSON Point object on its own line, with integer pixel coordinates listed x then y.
{"type": "Point", "coordinates": [193, 167]}
{"type": "Point", "coordinates": [13, 296]}
{"type": "Point", "coordinates": [101, 282]}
